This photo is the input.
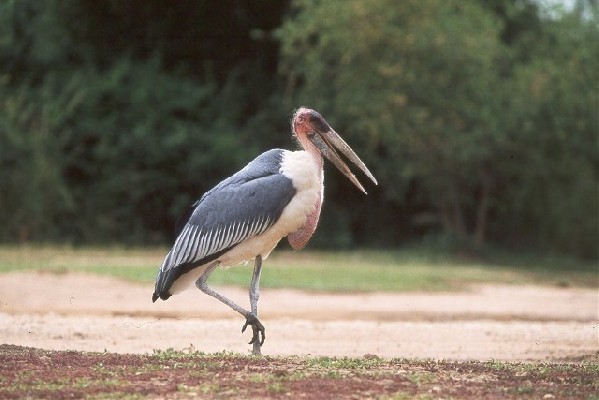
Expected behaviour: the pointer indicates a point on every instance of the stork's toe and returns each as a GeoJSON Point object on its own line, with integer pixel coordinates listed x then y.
{"type": "Point", "coordinates": [258, 330]}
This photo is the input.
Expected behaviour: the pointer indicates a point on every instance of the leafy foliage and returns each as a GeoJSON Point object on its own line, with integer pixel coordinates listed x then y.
{"type": "Point", "coordinates": [478, 117]}
{"type": "Point", "coordinates": [440, 101]}
{"type": "Point", "coordinates": [428, 96]}
{"type": "Point", "coordinates": [553, 195]}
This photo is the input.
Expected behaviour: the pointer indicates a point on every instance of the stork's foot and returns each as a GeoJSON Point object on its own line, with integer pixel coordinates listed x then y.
{"type": "Point", "coordinates": [257, 328]}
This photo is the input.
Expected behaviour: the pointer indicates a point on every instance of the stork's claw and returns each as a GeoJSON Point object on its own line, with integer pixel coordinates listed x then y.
{"type": "Point", "coordinates": [257, 328]}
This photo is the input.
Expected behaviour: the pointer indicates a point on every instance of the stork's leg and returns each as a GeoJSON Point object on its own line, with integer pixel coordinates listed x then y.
{"type": "Point", "coordinates": [251, 317]}
{"type": "Point", "coordinates": [254, 296]}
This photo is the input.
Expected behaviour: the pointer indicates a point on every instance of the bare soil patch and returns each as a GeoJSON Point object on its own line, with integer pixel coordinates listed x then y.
{"type": "Point", "coordinates": [82, 336]}
{"type": "Point", "coordinates": [510, 323]}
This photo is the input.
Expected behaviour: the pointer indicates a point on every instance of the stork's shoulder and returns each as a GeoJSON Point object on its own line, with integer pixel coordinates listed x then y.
{"type": "Point", "coordinates": [267, 163]}
{"type": "Point", "coordinates": [277, 161]}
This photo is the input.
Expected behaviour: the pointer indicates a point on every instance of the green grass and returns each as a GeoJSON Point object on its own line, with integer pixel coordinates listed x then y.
{"type": "Point", "coordinates": [407, 270]}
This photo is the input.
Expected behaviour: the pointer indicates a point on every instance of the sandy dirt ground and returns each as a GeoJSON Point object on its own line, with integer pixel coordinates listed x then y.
{"type": "Point", "coordinates": [513, 323]}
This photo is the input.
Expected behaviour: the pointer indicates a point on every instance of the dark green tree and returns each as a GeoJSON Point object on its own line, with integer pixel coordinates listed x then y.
{"type": "Point", "coordinates": [478, 117]}
{"type": "Point", "coordinates": [551, 200]}
{"type": "Point", "coordinates": [415, 82]}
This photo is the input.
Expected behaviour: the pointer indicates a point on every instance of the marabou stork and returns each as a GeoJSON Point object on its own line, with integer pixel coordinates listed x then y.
{"type": "Point", "coordinates": [278, 194]}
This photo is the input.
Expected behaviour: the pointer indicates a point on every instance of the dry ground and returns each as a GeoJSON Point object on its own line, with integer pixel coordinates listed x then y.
{"type": "Point", "coordinates": [491, 342]}
{"type": "Point", "coordinates": [510, 323]}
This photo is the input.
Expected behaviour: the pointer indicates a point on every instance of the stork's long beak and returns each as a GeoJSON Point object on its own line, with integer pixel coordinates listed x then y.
{"type": "Point", "coordinates": [328, 142]}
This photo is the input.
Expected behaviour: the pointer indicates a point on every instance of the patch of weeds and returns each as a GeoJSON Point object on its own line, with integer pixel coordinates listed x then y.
{"type": "Point", "coordinates": [38, 384]}
{"type": "Point", "coordinates": [421, 378]}
{"type": "Point", "coordinates": [522, 390]}
{"type": "Point", "coordinates": [591, 367]}
{"type": "Point", "coordinates": [183, 388]}
{"type": "Point", "coordinates": [115, 395]}
{"type": "Point", "coordinates": [189, 359]}
{"type": "Point", "coordinates": [331, 374]}
{"type": "Point", "coordinates": [168, 354]}
{"type": "Point", "coordinates": [207, 388]}
{"type": "Point", "coordinates": [498, 365]}
{"type": "Point", "coordinates": [225, 354]}
{"type": "Point", "coordinates": [82, 383]}
{"type": "Point", "coordinates": [399, 396]}
{"type": "Point", "coordinates": [539, 368]}
{"type": "Point", "coordinates": [277, 387]}
{"type": "Point", "coordinates": [276, 381]}
{"type": "Point", "coordinates": [348, 363]}
{"type": "Point", "coordinates": [258, 378]}
{"type": "Point", "coordinates": [409, 396]}
{"type": "Point", "coordinates": [201, 390]}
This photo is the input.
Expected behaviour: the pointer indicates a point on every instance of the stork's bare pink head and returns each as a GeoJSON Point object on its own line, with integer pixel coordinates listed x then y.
{"type": "Point", "coordinates": [317, 136]}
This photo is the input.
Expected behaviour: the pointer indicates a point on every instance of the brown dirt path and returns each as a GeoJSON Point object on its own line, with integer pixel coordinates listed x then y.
{"type": "Point", "coordinates": [516, 323]}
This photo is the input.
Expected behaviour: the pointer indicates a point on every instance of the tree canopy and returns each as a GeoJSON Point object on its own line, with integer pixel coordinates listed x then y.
{"type": "Point", "coordinates": [479, 118]}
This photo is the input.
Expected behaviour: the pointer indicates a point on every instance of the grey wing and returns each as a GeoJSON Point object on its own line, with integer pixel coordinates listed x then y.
{"type": "Point", "coordinates": [223, 218]}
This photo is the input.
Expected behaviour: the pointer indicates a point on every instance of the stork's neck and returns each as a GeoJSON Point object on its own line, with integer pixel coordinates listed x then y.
{"type": "Point", "coordinates": [304, 168]}
{"type": "Point", "coordinates": [311, 149]}
{"type": "Point", "coordinates": [317, 158]}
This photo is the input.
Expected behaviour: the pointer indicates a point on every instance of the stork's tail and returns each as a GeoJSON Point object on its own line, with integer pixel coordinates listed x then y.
{"type": "Point", "coordinates": [163, 284]}
{"type": "Point", "coordinates": [161, 289]}
{"type": "Point", "coordinates": [163, 296]}
{"type": "Point", "coordinates": [160, 294]}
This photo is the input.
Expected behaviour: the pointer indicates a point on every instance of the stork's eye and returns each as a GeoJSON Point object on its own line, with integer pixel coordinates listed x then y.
{"type": "Point", "coordinates": [314, 117]}
{"type": "Point", "coordinates": [319, 123]}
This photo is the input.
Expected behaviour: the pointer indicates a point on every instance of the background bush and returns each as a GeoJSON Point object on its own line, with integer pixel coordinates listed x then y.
{"type": "Point", "coordinates": [479, 118]}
